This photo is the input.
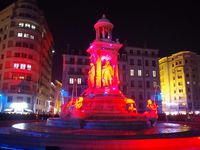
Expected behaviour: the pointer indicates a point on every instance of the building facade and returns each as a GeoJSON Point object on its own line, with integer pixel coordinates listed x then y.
{"type": "Point", "coordinates": [75, 73]}
{"type": "Point", "coordinates": [25, 58]}
{"type": "Point", "coordinates": [139, 75]}
{"type": "Point", "coordinates": [180, 82]}
{"type": "Point", "coordinates": [56, 98]}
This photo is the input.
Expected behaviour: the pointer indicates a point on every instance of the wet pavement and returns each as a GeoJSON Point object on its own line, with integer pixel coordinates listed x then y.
{"type": "Point", "coordinates": [160, 130]}
{"type": "Point", "coordinates": [38, 136]}
{"type": "Point", "coordinates": [9, 123]}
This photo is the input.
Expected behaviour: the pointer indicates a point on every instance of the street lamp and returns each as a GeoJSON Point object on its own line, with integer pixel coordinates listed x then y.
{"type": "Point", "coordinates": [156, 87]}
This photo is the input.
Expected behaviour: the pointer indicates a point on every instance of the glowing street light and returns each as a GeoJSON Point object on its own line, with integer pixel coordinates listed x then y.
{"type": "Point", "coordinates": [156, 88]}
{"type": "Point", "coordinates": [53, 51]}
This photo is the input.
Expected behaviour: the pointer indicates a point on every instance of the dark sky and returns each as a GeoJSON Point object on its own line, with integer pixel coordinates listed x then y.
{"type": "Point", "coordinates": [167, 26]}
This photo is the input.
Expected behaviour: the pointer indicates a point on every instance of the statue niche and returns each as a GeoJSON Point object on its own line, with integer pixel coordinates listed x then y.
{"type": "Point", "coordinates": [91, 75]}
{"type": "Point", "coordinates": [107, 74]}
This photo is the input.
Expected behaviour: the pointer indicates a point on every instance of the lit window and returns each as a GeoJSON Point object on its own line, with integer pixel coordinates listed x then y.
{"type": "Point", "coordinates": [71, 80]}
{"type": "Point", "coordinates": [32, 37]}
{"type": "Point", "coordinates": [21, 77]}
{"type": "Point", "coordinates": [22, 66]}
{"type": "Point", "coordinates": [154, 73]}
{"type": "Point", "coordinates": [28, 67]}
{"type": "Point", "coordinates": [139, 73]}
{"type": "Point", "coordinates": [26, 35]}
{"type": "Point", "coordinates": [21, 24]}
{"type": "Point", "coordinates": [42, 34]}
{"type": "Point", "coordinates": [16, 65]}
{"type": "Point", "coordinates": [27, 25]}
{"type": "Point", "coordinates": [33, 27]}
{"type": "Point", "coordinates": [79, 81]}
{"type": "Point", "coordinates": [188, 82]}
{"type": "Point", "coordinates": [19, 34]}
{"type": "Point", "coordinates": [132, 72]}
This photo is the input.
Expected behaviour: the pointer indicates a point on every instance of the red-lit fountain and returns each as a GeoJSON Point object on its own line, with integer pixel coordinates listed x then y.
{"type": "Point", "coordinates": [102, 104]}
{"type": "Point", "coordinates": [83, 120]}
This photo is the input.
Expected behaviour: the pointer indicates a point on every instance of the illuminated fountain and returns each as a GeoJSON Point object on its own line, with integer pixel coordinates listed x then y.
{"type": "Point", "coordinates": [102, 118]}
{"type": "Point", "coordinates": [102, 104]}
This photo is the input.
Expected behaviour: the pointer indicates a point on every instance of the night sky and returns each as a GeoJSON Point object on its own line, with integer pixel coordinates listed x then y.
{"type": "Point", "coordinates": [169, 27]}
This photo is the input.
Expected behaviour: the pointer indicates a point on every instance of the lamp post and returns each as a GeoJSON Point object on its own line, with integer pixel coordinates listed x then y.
{"type": "Point", "coordinates": [156, 87]}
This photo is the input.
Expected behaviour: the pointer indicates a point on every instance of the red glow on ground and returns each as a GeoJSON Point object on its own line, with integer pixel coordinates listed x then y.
{"type": "Point", "coordinates": [192, 143]}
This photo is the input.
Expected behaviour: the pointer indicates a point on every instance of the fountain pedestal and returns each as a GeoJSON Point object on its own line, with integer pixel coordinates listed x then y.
{"type": "Point", "coordinates": [100, 111]}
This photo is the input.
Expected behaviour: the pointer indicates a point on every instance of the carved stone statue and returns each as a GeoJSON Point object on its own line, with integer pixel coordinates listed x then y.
{"type": "Point", "coordinates": [107, 74]}
{"type": "Point", "coordinates": [91, 75]}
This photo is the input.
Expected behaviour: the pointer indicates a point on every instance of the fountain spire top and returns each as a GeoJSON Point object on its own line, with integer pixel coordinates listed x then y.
{"type": "Point", "coordinates": [103, 16]}
{"type": "Point", "coordinates": [103, 28]}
